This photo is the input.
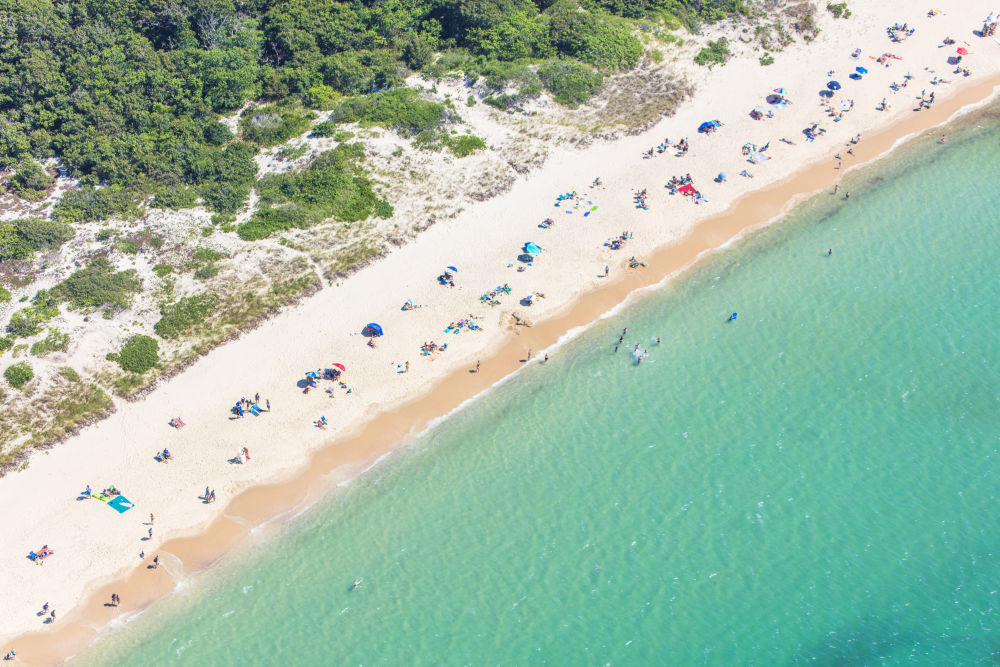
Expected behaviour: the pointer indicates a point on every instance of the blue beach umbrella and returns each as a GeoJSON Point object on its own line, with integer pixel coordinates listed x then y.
{"type": "Point", "coordinates": [833, 85]}
{"type": "Point", "coordinates": [861, 70]}
{"type": "Point", "coordinates": [451, 268]}
{"type": "Point", "coordinates": [372, 330]}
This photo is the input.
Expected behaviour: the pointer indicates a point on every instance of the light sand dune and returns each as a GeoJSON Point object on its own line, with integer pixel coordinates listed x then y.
{"type": "Point", "coordinates": [292, 461]}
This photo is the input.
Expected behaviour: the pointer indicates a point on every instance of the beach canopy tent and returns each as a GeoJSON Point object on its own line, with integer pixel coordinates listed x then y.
{"type": "Point", "coordinates": [686, 189]}
{"type": "Point", "coordinates": [826, 93]}
{"type": "Point", "coordinates": [372, 330]}
{"type": "Point", "coordinates": [533, 248]}
{"type": "Point", "coordinates": [527, 258]}
{"type": "Point", "coordinates": [759, 157]}
{"type": "Point", "coordinates": [962, 51]}
{"type": "Point", "coordinates": [833, 85]}
{"type": "Point", "coordinates": [861, 70]}
{"type": "Point", "coordinates": [856, 76]}
{"type": "Point", "coordinates": [709, 126]}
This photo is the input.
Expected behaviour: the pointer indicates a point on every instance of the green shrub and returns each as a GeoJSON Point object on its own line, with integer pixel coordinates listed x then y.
{"type": "Point", "coordinates": [716, 53]}
{"type": "Point", "coordinates": [19, 374]}
{"type": "Point", "coordinates": [470, 101]}
{"type": "Point", "coordinates": [206, 272]}
{"type": "Point", "coordinates": [55, 341]}
{"type": "Point", "coordinates": [162, 270]}
{"type": "Point", "coordinates": [571, 83]}
{"type": "Point", "coordinates": [90, 204]}
{"type": "Point", "coordinates": [156, 242]}
{"type": "Point", "coordinates": [98, 285]}
{"type": "Point", "coordinates": [139, 354]}
{"type": "Point", "coordinates": [5, 295]}
{"type": "Point", "coordinates": [175, 198]}
{"type": "Point", "coordinates": [28, 321]}
{"type": "Point", "coordinates": [766, 59]}
{"type": "Point", "coordinates": [127, 247]}
{"type": "Point", "coordinates": [178, 318]}
{"type": "Point", "coordinates": [216, 134]}
{"type": "Point", "coordinates": [322, 97]}
{"type": "Point", "coordinates": [31, 182]}
{"type": "Point", "coordinates": [464, 145]}
{"type": "Point", "coordinates": [226, 197]}
{"type": "Point", "coordinates": [839, 10]}
{"type": "Point", "coordinates": [343, 135]}
{"type": "Point", "coordinates": [21, 239]}
{"type": "Point", "coordinates": [273, 125]}
{"type": "Point", "coordinates": [334, 185]}
{"type": "Point", "coordinates": [205, 254]}
{"type": "Point", "coordinates": [402, 110]}
{"type": "Point", "coordinates": [69, 374]}
{"type": "Point", "coordinates": [6, 343]}
{"type": "Point", "coordinates": [325, 129]}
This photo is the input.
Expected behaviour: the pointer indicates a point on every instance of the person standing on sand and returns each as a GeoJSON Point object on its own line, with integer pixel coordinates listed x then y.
{"type": "Point", "coordinates": [477, 365]}
{"type": "Point", "coordinates": [151, 518]}
{"type": "Point", "coordinates": [406, 368]}
{"type": "Point", "coordinates": [529, 355]}
{"type": "Point", "coordinates": [150, 533]}
{"type": "Point", "coordinates": [268, 404]}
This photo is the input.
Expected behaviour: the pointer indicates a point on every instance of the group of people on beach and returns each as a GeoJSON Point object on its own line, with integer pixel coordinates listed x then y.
{"type": "Point", "coordinates": [245, 405]}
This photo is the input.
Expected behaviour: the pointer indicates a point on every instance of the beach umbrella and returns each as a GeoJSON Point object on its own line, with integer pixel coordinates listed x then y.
{"type": "Point", "coordinates": [780, 91]}
{"type": "Point", "coordinates": [833, 85]}
{"type": "Point", "coordinates": [962, 51]}
{"type": "Point", "coordinates": [340, 366]}
{"type": "Point", "coordinates": [372, 329]}
{"type": "Point", "coordinates": [451, 268]}
{"type": "Point", "coordinates": [861, 70]}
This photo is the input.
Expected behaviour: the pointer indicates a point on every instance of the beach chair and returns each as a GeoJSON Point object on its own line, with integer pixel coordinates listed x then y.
{"type": "Point", "coordinates": [255, 410]}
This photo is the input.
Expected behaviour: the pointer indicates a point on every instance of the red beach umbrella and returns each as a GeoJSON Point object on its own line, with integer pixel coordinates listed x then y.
{"type": "Point", "coordinates": [962, 51]}
{"type": "Point", "coordinates": [341, 367]}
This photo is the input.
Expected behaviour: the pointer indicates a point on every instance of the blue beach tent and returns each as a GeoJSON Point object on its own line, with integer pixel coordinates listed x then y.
{"type": "Point", "coordinates": [372, 330]}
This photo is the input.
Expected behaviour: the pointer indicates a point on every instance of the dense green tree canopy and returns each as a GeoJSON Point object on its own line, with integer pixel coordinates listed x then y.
{"type": "Point", "coordinates": [128, 92]}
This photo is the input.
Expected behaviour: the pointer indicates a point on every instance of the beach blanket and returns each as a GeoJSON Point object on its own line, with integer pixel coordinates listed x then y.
{"type": "Point", "coordinates": [120, 504]}
{"type": "Point", "coordinates": [100, 496]}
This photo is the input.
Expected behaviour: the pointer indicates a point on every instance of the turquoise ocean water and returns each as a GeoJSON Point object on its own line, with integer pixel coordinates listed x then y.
{"type": "Point", "coordinates": [814, 483]}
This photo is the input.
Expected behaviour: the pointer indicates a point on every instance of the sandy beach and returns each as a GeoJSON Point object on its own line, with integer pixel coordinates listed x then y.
{"type": "Point", "coordinates": [293, 462]}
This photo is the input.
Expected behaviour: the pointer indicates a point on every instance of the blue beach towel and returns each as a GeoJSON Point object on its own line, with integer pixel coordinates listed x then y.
{"type": "Point", "coordinates": [255, 411]}
{"type": "Point", "coordinates": [120, 504]}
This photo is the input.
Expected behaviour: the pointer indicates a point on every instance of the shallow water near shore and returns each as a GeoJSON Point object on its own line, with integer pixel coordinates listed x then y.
{"type": "Point", "coordinates": [812, 482]}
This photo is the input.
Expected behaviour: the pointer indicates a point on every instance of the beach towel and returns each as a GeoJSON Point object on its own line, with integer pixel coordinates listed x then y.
{"type": "Point", "coordinates": [586, 214]}
{"type": "Point", "coordinates": [120, 504]}
{"type": "Point", "coordinates": [100, 496]}
{"type": "Point", "coordinates": [255, 411]}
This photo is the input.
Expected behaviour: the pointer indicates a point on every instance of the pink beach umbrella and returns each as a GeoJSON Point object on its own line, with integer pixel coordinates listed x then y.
{"type": "Point", "coordinates": [962, 51]}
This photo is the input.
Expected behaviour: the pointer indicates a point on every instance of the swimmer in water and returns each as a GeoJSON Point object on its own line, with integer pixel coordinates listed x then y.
{"type": "Point", "coordinates": [357, 585]}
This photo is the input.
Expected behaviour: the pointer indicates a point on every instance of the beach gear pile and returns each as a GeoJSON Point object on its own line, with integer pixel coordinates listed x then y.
{"type": "Point", "coordinates": [427, 349]}
{"type": "Point", "coordinates": [568, 196]}
{"type": "Point", "coordinates": [639, 198]}
{"type": "Point", "coordinates": [898, 33]}
{"type": "Point", "coordinates": [464, 323]}
{"type": "Point", "coordinates": [491, 296]}
{"type": "Point", "coordinates": [409, 305]}
{"type": "Point", "coordinates": [617, 242]}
